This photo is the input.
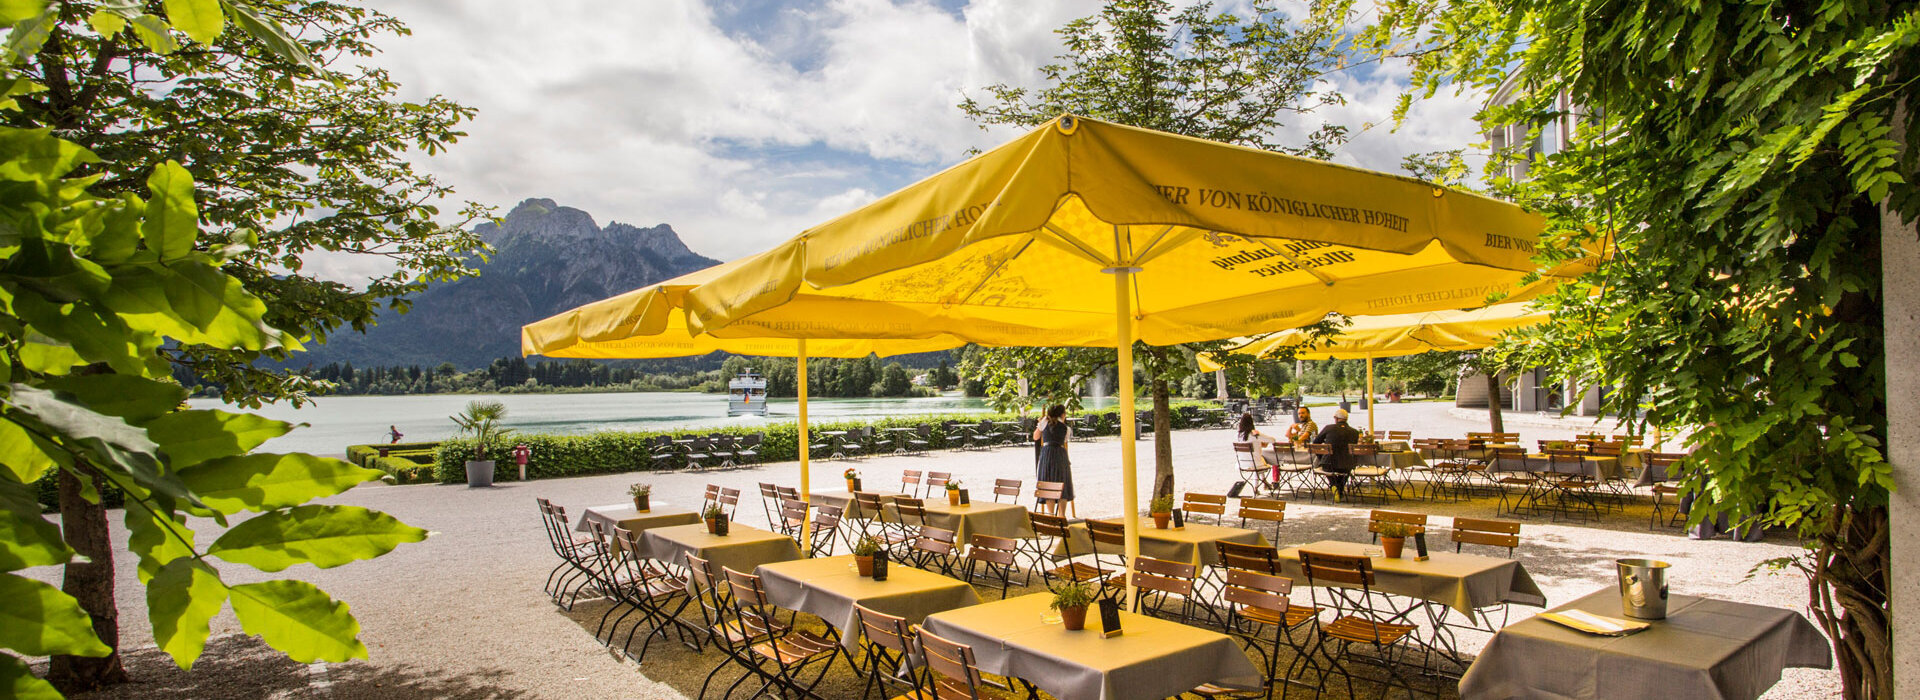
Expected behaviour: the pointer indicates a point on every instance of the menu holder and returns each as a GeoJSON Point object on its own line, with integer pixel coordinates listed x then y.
{"type": "Point", "coordinates": [964, 500]}
{"type": "Point", "coordinates": [1420, 545]}
{"type": "Point", "coordinates": [1179, 520]}
{"type": "Point", "coordinates": [1109, 618]}
{"type": "Point", "coordinates": [1590, 623]}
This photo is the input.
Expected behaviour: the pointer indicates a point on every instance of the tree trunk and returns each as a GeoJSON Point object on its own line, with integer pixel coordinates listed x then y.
{"type": "Point", "coordinates": [1848, 581]}
{"type": "Point", "coordinates": [1162, 440]}
{"type": "Point", "coordinates": [1493, 402]}
{"type": "Point", "coordinates": [91, 583]}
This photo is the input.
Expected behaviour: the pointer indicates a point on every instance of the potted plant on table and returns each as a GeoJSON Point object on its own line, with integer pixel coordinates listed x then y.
{"type": "Point", "coordinates": [1071, 598]}
{"type": "Point", "coordinates": [641, 494]}
{"type": "Point", "coordinates": [1162, 510]}
{"type": "Point", "coordinates": [853, 480]}
{"type": "Point", "coordinates": [482, 420]}
{"type": "Point", "coordinates": [1393, 537]}
{"type": "Point", "coordinates": [863, 551]}
{"type": "Point", "coordinates": [716, 520]}
{"type": "Point", "coordinates": [953, 492]}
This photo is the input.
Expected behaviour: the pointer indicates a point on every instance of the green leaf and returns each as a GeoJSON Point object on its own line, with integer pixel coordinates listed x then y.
{"type": "Point", "coordinates": [155, 542]}
{"type": "Point", "coordinates": [173, 220]}
{"type": "Point", "coordinates": [180, 600]}
{"type": "Point", "coordinates": [106, 439]}
{"type": "Point", "coordinates": [12, 11]}
{"type": "Point", "coordinates": [106, 22]}
{"type": "Point", "coordinates": [300, 619]}
{"type": "Point", "coordinates": [202, 20]}
{"type": "Point", "coordinates": [29, 540]}
{"type": "Point", "coordinates": [36, 155]}
{"type": "Point", "coordinates": [191, 437]}
{"type": "Point", "coordinates": [274, 36]}
{"type": "Point", "coordinates": [155, 33]}
{"type": "Point", "coordinates": [134, 398]}
{"type": "Point", "coordinates": [267, 481]}
{"type": "Point", "coordinates": [39, 620]}
{"type": "Point", "coordinates": [27, 36]}
{"type": "Point", "coordinates": [23, 453]}
{"type": "Point", "coordinates": [324, 536]}
{"type": "Point", "coordinates": [17, 681]}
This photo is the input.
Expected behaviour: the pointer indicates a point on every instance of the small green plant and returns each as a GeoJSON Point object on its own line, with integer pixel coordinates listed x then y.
{"type": "Point", "coordinates": [954, 485]}
{"type": "Point", "coordinates": [640, 490]}
{"type": "Point", "coordinates": [713, 512]}
{"type": "Point", "coordinates": [1396, 530]}
{"type": "Point", "coordinates": [867, 546]}
{"type": "Point", "coordinates": [1072, 594]}
{"type": "Point", "coordinates": [482, 421]}
{"type": "Point", "coordinates": [1161, 504]}
{"type": "Point", "coordinates": [850, 474]}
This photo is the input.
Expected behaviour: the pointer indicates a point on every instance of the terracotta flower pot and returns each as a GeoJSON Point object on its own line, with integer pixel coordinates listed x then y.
{"type": "Point", "coordinates": [1160, 520]}
{"type": "Point", "coordinates": [1393, 546]}
{"type": "Point", "coordinates": [853, 485]}
{"type": "Point", "coordinates": [864, 565]}
{"type": "Point", "coordinates": [953, 497]}
{"type": "Point", "coordinates": [641, 503]}
{"type": "Point", "coordinates": [1074, 617]}
{"type": "Point", "coordinates": [717, 526]}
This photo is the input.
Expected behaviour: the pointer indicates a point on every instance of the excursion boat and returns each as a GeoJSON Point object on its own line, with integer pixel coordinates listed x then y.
{"type": "Point", "coordinates": [747, 395]}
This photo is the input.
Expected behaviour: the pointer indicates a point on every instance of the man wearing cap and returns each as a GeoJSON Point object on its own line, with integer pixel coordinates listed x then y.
{"type": "Point", "coordinates": [1337, 464]}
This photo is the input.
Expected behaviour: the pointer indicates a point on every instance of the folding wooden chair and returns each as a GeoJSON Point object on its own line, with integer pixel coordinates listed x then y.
{"type": "Point", "coordinates": [785, 654]}
{"type": "Point", "coordinates": [1378, 517]}
{"type": "Point", "coordinates": [1010, 488]}
{"type": "Point", "coordinates": [954, 674]}
{"type": "Point", "coordinates": [1348, 582]}
{"type": "Point", "coordinates": [997, 556]}
{"type": "Point", "coordinates": [1204, 504]}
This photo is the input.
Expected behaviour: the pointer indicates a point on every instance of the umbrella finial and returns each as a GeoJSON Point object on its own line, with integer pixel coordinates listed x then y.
{"type": "Point", "coordinates": [1068, 123]}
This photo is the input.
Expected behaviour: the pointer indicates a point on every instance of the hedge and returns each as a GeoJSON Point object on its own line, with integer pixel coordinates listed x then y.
{"type": "Point", "coordinates": [405, 470]}
{"type": "Point", "coordinates": [363, 455]}
{"type": "Point", "coordinates": [611, 452]}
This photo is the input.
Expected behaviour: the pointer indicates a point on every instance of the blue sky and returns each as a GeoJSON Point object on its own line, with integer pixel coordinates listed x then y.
{"type": "Point", "coordinates": [742, 122]}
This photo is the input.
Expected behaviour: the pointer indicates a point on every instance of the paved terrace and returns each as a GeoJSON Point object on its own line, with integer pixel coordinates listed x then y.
{"type": "Point", "coordinates": [462, 615]}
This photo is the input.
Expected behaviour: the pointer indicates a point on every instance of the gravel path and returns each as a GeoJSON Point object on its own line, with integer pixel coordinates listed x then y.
{"type": "Point", "coordinates": [462, 616]}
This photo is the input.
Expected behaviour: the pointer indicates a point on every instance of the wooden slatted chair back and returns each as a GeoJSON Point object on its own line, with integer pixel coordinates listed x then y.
{"type": "Point", "coordinates": [884, 630]}
{"type": "Point", "coordinates": [1103, 532]}
{"type": "Point", "coordinates": [793, 514]}
{"type": "Point", "coordinates": [1205, 503]}
{"type": "Point", "coordinates": [1257, 590]}
{"type": "Point", "coordinates": [1271, 510]}
{"type": "Point", "coordinates": [995, 550]}
{"type": "Point", "coordinates": [1162, 575]}
{"type": "Point", "coordinates": [1006, 487]}
{"type": "Point", "coordinates": [937, 481]}
{"type": "Point", "coordinates": [954, 673]}
{"type": "Point", "coordinates": [1248, 557]}
{"type": "Point", "coordinates": [909, 481]}
{"type": "Point", "coordinates": [1048, 491]}
{"type": "Point", "coordinates": [1379, 516]}
{"type": "Point", "coordinates": [934, 540]}
{"type": "Point", "coordinates": [1399, 435]}
{"type": "Point", "coordinates": [1046, 525]}
{"type": "Point", "coordinates": [1336, 568]}
{"type": "Point", "coordinates": [1493, 533]}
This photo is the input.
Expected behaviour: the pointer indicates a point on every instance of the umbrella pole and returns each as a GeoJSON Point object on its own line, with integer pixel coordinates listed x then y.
{"type": "Point", "coordinates": [806, 491]}
{"type": "Point", "coordinates": [1129, 423]}
{"type": "Point", "coordinates": [1370, 400]}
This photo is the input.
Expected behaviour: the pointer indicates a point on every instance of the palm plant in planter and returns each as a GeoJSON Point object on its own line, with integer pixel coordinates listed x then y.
{"type": "Point", "coordinates": [641, 494]}
{"type": "Point", "coordinates": [482, 421]}
{"type": "Point", "coordinates": [1071, 598]}
{"type": "Point", "coordinates": [863, 551]}
{"type": "Point", "coordinates": [1161, 509]}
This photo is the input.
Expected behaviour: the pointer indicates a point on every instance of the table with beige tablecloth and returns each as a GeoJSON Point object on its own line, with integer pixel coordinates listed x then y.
{"type": "Point", "coordinates": [1596, 468]}
{"type": "Point", "coordinates": [1706, 648]}
{"type": "Point", "coordinates": [849, 508]}
{"type": "Point", "coordinates": [623, 515]}
{"type": "Point", "coordinates": [1192, 544]}
{"type": "Point", "coordinates": [985, 518]}
{"type": "Point", "coordinates": [1151, 659]}
{"type": "Point", "coordinates": [1462, 582]}
{"type": "Point", "coordinates": [829, 587]}
{"type": "Point", "coordinates": [741, 549]}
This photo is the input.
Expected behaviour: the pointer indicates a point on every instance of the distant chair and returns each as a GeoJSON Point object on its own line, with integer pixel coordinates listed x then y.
{"type": "Point", "coordinates": [920, 440]}
{"type": "Point", "coordinates": [748, 449]}
{"type": "Point", "coordinates": [1009, 488]}
{"type": "Point", "coordinates": [910, 482]}
{"type": "Point", "coordinates": [1259, 510]}
{"type": "Point", "coordinates": [1204, 504]}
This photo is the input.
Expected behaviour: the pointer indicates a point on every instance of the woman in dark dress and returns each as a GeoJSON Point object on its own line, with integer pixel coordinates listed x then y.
{"type": "Point", "coordinates": [1051, 435]}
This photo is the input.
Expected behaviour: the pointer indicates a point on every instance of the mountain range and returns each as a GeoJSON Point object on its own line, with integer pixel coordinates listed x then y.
{"type": "Point", "coordinates": [547, 258]}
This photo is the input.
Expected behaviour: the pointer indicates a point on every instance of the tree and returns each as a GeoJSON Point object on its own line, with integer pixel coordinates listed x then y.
{"type": "Point", "coordinates": [894, 380]}
{"type": "Point", "coordinates": [1741, 157]}
{"type": "Point", "coordinates": [295, 140]}
{"type": "Point", "coordinates": [1215, 76]}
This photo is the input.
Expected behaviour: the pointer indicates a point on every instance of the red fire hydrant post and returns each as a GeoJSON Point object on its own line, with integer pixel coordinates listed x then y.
{"type": "Point", "coordinates": [520, 455]}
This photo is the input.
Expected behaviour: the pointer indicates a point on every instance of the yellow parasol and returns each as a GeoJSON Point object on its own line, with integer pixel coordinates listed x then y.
{"type": "Point", "coordinates": [1397, 335]}
{"type": "Point", "coordinates": [1201, 241]}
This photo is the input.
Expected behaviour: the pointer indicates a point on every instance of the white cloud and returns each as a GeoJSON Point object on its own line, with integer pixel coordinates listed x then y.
{"type": "Point", "coordinates": [648, 112]}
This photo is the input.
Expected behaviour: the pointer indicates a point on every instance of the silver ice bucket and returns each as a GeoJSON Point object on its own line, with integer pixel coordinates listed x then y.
{"type": "Point", "coordinates": [1643, 588]}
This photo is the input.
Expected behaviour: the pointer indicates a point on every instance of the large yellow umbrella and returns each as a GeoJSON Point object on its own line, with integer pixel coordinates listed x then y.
{"type": "Point", "coordinates": [1083, 233]}
{"type": "Point", "coordinates": [1396, 335]}
{"type": "Point", "coordinates": [650, 322]}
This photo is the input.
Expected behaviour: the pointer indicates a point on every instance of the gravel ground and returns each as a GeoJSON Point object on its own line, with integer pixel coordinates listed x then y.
{"type": "Point", "coordinates": [462, 615]}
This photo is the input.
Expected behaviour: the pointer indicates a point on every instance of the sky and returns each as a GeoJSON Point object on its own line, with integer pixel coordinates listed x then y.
{"type": "Point", "coordinates": [743, 122]}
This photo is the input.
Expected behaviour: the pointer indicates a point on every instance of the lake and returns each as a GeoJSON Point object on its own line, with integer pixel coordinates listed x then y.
{"type": "Point", "coordinates": [334, 422]}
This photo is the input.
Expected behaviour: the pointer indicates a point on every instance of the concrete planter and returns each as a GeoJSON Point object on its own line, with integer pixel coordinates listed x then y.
{"type": "Point", "coordinates": [479, 473]}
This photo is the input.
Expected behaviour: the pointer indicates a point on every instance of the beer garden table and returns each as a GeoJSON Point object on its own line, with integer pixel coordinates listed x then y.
{"type": "Point", "coordinates": [742, 549]}
{"type": "Point", "coordinates": [829, 587]}
{"type": "Point", "coordinates": [849, 508]}
{"type": "Point", "coordinates": [1705, 648]}
{"type": "Point", "coordinates": [624, 516]}
{"type": "Point", "coordinates": [981, 517]}
{"type": "Point", "coordinates": [1151, 658]}
{"type": "Point", "coordinates": [1190, 545]}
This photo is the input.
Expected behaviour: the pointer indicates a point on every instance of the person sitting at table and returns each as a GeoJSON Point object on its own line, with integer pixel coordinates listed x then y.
{"type": "Point", "coordinates": [1339, 462]}
{"type": "Point", "coordinates": [1051, 435]}
{"type": "Point", "coordinates": [1303, 428]}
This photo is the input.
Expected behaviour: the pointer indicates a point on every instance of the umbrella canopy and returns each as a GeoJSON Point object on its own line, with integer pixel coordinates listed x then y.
{"type": "Point", "coordinates": [1397, 335]}
{"type": "Point", "coordinates": [1093, 234]}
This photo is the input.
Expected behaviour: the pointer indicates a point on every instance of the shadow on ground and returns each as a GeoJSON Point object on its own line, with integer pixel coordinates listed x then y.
{"type": "Point", "coordinates": [234, 667]}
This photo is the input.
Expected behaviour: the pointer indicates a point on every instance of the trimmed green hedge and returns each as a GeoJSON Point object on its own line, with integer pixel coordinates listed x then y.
{"type": "Point", "coordinates": [613, 452]}
{"type": "Point", "coordinates": [406, 470]}
{"type": "Point", "coordinates": [363, 455]}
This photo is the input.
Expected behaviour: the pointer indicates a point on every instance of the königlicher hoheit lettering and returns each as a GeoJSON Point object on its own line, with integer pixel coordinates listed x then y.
{"type": "Point", "coordinates": [1264, 203]}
